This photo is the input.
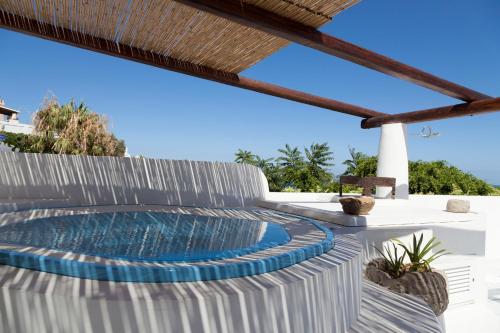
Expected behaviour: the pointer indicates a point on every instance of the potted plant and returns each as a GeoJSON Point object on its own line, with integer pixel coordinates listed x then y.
{"type": "Point", "coordinates": [413, 276]}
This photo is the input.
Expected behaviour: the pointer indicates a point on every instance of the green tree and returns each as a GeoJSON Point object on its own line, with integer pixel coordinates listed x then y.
{"type": "Point", "coordinates": [267, 165]}
{"type": "Point", "coordinates": [309, 173]}
{"type": "Point", "coordinates": [436, 177]}
{"type": "Point", "coordinates": [272, 172]}
{"type": "Point", "coordinates": [19, 141]}
{"type": "Point", "coordinates": [352, 164]}
{"type": "Point", "coordinates": [291, 171]}
{"type": "Point", "coordinates": [292, 164]}
{"type": "Point", "coordinates": [73, 129]}
{"type": "Point", "coordinates": [360, 164]}
{"type": "Point", "coordinates": [263, 163]}
{"type": "Point", "coordinates": [318, 160]}
{"type": "Point", "coordinates": [244, 156]}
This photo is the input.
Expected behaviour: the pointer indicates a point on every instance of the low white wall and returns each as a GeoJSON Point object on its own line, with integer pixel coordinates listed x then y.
{"type": "Point", "coordinates": [302, 197]}
{"type": "Point", "coordinates": [86, 180]}
{"type": "Point", "coordinates": [487, 206]}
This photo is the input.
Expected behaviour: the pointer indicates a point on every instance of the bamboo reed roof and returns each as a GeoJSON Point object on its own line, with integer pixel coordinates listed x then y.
{"type": "Point", "coordinates": [167, 28]}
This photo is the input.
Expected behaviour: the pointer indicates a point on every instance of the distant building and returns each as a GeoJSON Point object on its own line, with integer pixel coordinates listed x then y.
{"type": "Point", "coordinates": [9, 121]}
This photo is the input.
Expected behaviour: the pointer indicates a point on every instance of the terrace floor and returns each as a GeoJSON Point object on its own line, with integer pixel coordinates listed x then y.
{"type": "Point", "coordinates": [473, 239]}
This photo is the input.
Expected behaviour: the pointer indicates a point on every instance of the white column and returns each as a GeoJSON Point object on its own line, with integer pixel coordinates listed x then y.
{"type": "Point", "coordinates": [393, 159]}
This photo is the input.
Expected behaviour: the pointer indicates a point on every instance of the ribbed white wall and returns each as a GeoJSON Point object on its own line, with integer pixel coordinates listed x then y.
{"type": "Point", "coordinates": [86, 180]}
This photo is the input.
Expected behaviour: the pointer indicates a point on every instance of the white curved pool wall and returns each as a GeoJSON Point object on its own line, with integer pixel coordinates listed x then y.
{"type": "Point", "coordinates": [65, 180]}
{"type": "Point", "coordinates": [322, 294]}
{"type": "Point", "coordinates": [393, 159]}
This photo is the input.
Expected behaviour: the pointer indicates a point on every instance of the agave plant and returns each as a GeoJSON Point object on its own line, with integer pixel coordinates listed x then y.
{"type": "Point", "coordinates": [394, 261]}
{"type": "Point", "coordinates": [418, 254]}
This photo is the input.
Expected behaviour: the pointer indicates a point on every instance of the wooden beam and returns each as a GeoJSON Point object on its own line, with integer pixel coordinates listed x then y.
{"type": "Point", "coordinates": [260, 19]}
{"type": "Point", "coordinates": [66, 36]}
{"type": "Point", "coordinates": [444, 112]}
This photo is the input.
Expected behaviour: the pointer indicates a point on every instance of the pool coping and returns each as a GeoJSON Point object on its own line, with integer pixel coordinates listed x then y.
{"type": "Point", "coordinates": [308, 239]}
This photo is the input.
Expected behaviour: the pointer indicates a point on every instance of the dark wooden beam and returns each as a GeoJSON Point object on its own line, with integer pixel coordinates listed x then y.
{"type": "Point", "coordinates": [66, 36]}
{"type": "Point", "coordinates": [444, 112]}
{"type": "Point", "coordinates": [260, 19]}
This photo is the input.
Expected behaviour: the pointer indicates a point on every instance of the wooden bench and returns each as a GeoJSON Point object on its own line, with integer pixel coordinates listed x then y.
{"type": "Point", "coordinates": [368, 183]}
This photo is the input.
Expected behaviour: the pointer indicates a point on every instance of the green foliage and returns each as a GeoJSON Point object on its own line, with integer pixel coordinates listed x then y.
{"type": "Point", "coordinates": [308, 171]}
{"type": "Point", "coordinates": [294, 172]}
{"type": "Point", "coordinates": [360, 164]}
{"type": "Point", "coordinates": [419, 256]}
{"type": "Point", "coordinates": [244, 156]}
{"type": "Point", "coordinates": [496, 190]}
{"type": "Point", "coordinates": [394, 261]}
{"type": "Point", "coordinates": [20, 141]}
{"type": "Point", "coordinates": [436, 177]}
{"type": "Point", "coordinates": [439, 177]}
{"type": "Point", "coordinates": [68, 129]}
{"type": "Point", "coordinates": [318, 160]}
{"type": "Point", "coordinates": [73, 129]}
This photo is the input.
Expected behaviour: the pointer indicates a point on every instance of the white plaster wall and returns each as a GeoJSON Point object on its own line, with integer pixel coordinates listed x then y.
{"type": "Point", "coordinates": [489, 209]}
{"type": "Point", "coordinates": [13, 127]}
{"type": "Point", "coordinates": [302, 197]}
{"type": "Point", "coordinates": [86, 180]}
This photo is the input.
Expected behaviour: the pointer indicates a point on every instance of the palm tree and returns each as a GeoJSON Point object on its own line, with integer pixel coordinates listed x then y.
{"type": "Point", "coordinates": [353, 163]}
{"type": "Point", "coordinates": [244, 156]}
{"type": "Point", "coordinates": [292, 165]}
{"type": "Point", "coordinates": [291, 157]}
{"type": "Point", "coordinates": [73, 129]}
{"type": "Point", "coordinates": [319, 156]}
{"type": "Point", "coordinates": [263, 163]}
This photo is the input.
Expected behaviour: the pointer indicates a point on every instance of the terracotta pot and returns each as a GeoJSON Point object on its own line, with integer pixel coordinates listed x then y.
{"type": "Point", "coordinates": [357, 206]}
{"type": "Point", "coordinates": [430, 286]}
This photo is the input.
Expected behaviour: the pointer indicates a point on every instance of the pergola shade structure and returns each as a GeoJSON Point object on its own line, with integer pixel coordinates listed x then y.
{"type": "Point", "coordinates": [218, 39]}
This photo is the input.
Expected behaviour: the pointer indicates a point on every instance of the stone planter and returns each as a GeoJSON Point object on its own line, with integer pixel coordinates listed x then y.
{"type": "Point", "coordinates": [357, 206]}
{"type": "Point", "coordinates": [430, 286]}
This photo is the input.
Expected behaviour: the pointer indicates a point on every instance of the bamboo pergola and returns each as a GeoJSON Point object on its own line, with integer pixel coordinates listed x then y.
{"type": "Point", "coordinates": [218, 39]}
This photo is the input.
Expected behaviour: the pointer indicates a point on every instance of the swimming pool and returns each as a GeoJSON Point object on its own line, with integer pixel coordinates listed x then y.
{"type": "Point", "coordinates": [149, 246]}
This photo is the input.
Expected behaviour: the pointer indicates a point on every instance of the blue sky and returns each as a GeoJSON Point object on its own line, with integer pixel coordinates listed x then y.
{"type": "Point", "coordinates": [168, 115]}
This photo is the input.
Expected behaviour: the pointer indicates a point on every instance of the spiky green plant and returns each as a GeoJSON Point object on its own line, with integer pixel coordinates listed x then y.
{"type": "Point", "coordinates": [419, 255]}
{"type": "Point", "coordinates": [395, 262]}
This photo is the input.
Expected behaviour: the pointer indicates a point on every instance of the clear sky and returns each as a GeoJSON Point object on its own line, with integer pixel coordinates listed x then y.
{"type": "Point", "coordinates": [169, 115]}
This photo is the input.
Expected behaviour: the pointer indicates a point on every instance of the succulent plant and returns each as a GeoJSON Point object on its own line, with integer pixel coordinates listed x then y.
{"type": "Point", "coordinates": [394, 261]}
{"type": "Point", "coordinates": [420, 256]}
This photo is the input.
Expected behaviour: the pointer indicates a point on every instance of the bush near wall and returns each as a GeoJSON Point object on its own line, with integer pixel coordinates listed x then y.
{"type": "Point", "coordinates": [23, 142]}
{"type": "Point", "coordinates": [439, 177]}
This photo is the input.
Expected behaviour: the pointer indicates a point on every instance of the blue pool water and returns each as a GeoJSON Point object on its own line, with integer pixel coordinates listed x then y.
{"type": "Point", "coordinates": [147, 236]}
{"type": "Point", "coordinates": [150, 246]}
